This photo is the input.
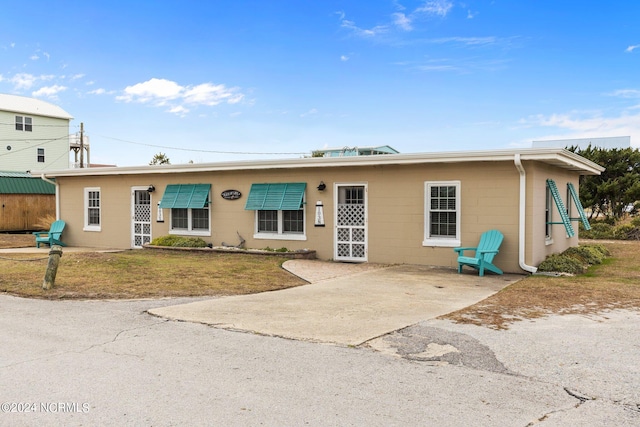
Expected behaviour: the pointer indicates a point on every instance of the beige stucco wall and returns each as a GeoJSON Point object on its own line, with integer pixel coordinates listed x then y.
{"type": "Point", "coordinates": [396, 208]}
{"type": "Point", "coordinates": [537, 174]}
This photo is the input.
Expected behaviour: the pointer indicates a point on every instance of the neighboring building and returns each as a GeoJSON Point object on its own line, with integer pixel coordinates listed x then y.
{"type": "Point", "coordinates": [24, 201]}
{"type": "Point", "coordinates": [34, 135]}
{"type": "Point", "coordinates": [356, 151]}
{"type": "Point", "coordinates": [397, 208]}
{"type": "Point", "coordinates": [582, 143]}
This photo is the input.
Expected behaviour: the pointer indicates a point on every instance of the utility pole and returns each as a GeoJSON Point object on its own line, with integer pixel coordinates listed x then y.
{"type": "Point", "coordinates": [81, 144]}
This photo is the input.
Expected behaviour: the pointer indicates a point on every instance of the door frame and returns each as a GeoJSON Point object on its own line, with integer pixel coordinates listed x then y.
{"type": "Point", "coordinates": [133, 214]}
{"type": "Point", "coordinates": [336, 193]}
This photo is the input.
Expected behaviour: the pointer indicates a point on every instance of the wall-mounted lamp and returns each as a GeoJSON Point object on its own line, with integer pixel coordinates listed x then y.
{"type": "Point", "coordinates": [151, 189]}
{"type": "Point", "coordinates": [322, 186]}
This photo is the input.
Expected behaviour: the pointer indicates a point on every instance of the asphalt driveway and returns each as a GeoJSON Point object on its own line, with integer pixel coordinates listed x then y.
{"type": "Point", "coordinates": [345, 304]}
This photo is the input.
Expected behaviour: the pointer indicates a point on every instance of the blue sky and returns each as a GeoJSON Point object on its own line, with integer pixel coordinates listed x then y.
{"type": "Point", "coordinates": [230, 80]}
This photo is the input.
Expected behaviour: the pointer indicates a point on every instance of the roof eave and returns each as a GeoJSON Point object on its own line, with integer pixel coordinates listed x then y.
{"type": "Point", "coordinates": [555, 156]}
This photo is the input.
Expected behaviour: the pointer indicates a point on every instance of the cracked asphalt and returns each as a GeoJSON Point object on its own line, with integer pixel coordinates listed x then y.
{"type": "Point", "coordinates": [110, 363]}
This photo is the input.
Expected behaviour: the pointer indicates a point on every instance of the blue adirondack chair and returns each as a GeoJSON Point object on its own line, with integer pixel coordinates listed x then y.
{"type": "Point", "coordinates": [486, 250]}
{"type": "Point", "coordinates": [51, 237]}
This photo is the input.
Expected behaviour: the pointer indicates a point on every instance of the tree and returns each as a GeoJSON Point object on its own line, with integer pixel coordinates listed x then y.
{"type": "Point", "coordinates": [616, 191]}
{"type": "Point", "coordinates": [160, 159]}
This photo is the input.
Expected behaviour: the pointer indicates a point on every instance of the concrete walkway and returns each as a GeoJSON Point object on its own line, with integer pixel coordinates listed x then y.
{"type": "Point", "coordinates": [345, 304]}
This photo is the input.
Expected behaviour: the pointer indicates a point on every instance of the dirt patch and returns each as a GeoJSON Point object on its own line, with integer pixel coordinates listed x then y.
{"type": "Point", "coordinates": [16, 240]}
{"type": "Point", "coordinates": [614, 284]}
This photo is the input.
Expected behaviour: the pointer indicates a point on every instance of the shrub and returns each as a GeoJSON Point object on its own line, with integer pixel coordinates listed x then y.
{"type": "Point", "coordinates": [623, 231]}
{"type": "Point", "coordinates": [585, 254]}
{"type": "Point", "coordinates": [574, 260]}
{"type": "Point", "coordinates": [604, 252]}
{"type": "Point", "coordinates": [179, 242]}
{"type": "Point", "coordinates": [562, 264]}
{"type": "Point", "coordinates": [599, 230]}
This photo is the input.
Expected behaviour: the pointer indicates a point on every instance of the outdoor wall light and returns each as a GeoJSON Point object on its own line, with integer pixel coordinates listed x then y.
{"type": "Point", "coordinates": [151, 189]}
{"type": "Point", "coordinates": [322, 186]}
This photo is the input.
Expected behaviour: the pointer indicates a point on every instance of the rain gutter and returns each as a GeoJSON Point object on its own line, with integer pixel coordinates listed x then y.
{"type": "Point", "coordinates": [521, 220]}
{"type": "Point", "coordinates": [45, 179]}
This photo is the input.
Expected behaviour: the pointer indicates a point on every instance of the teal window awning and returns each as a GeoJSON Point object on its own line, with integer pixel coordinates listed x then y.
{"type": "Point", "coordinates": [566, 221]}
{"type": "Point", "coordinates": [185, 196]}
{"type": "Point", "coordinates": [578, 205]}
{"type": "Point", "coordinates": [275, 197]}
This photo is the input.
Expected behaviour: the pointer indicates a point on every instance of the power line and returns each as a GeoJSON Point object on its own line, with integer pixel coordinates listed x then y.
{"type": "Point", "coordinates": [194, 149]}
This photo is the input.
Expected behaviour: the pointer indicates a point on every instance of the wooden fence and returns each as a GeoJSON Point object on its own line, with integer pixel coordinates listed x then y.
{"type": "Point", "coordinates": [20, 212]}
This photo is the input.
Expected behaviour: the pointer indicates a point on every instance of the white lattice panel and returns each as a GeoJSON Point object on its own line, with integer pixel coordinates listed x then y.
{"type": "Point", "coordinates": [351, 215]}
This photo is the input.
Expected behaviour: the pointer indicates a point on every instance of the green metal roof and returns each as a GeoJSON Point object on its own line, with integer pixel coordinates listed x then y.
{"type": "Point", "coordinates": [284, 196]}
{"type": "Point", "coordinates": [19, 183]}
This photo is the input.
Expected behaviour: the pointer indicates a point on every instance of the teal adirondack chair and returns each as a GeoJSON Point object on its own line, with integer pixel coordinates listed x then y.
{"type": "Point", "coordinates": [486, 250]}
{"type": "Point", "coordinates": [51, 237]}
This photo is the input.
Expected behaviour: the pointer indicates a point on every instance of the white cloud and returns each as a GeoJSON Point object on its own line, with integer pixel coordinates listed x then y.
{"type": "Point", "coordinates": [588, 125]}
{"type": "Point", "coordinates": [402, 21]}
{"type": "Point", "coordinates": [23, 81]}
{"type": "Point", "coordinates": [437, 7]}
{"type": "Point", "coordinates": [471, 15]}
{"type": "Point", "coordinates": [34, 57]}
{"type": "Point", "coordinates": [632, 48]}
{"type": "Point", "coordinates": [343, 58]}
{"type": "Point", "coordinates": [437, 68]}
{"type": "Point", "coordinates": [180, 110]}
{"type": "Point", "coordinates": [626, 93]}
{"type": "Point", "coordinates": [161, 92]}
{"type": "Point", "coordinates": [311, 112]}
{"type": "Point", "coordinates": [362, 32]}
{"type": "Point", "coordinates": [469, 41]}
{"type": "Point", "coordinates": [158, 90]}
{"type": "Point", "coordinates": [98, 91]}
{"type": "Point", "coordinates": [49, 91]}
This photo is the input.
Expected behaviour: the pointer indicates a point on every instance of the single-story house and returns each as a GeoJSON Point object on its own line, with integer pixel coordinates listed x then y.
{"type": "Point", "coordinates": [396, 208]}
{"type": "Point", "coordinates": [25, 200]}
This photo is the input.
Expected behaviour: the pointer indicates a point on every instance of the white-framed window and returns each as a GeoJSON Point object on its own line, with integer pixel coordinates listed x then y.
{"type": "Point", "coordinates": [24, 123]}
{"type": "Point", "coordinates": [92, 209]}
{"type": "Point", "coordinates": [442, 213]}
{"type": "Point", "coordinates": [280, 224]}
{"type": "Point", "coordinates": [548, 216]}
{"type": "Point", "coordinates": [191, 221]}
{"type": "Point", "coordinates": [40, 155]}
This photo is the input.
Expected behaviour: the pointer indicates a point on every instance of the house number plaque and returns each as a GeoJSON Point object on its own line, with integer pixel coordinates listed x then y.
{"type": "Point", "coordinates": [231, 194]}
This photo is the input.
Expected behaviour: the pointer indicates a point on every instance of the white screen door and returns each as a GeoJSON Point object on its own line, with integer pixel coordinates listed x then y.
{"type": "Point", "coordinates": [351, 223]}
{"type": "Point", "coordinates": [141, 217]}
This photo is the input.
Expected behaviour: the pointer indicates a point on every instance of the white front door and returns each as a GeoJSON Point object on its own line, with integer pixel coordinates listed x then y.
{"type": "Point", "coordinates": [351, 222]}
{"type": "Point", "coordinates": [141, 217]}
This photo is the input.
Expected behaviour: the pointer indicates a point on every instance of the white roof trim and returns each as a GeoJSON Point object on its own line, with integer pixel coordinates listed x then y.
{"type": "Point", "coordinates": [555, 156]}
{"type": "Point", "coordinates": [31, 106]}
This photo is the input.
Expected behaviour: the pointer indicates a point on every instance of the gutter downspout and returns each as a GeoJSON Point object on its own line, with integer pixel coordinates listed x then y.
{"type": "Point", "coordinates": [521, 220]}
{"type": "Point", "coordinates": [44, 178]}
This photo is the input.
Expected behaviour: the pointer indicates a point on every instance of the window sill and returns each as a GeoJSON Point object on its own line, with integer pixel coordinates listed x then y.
{"type": "Point", "coordinates": [446, 243]}
{"type": "Point", "coordinates": [275, 236]}
{"type": "Point", "coordinates": [91, 228]}
{"type": "Point", "coordinates": [203, 233]}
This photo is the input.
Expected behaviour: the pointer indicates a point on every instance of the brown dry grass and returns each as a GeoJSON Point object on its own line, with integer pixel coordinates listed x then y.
{"type": "Point", "coordinates": [615, 284]}
{"type": "Point", "coordinates": [144, 274]}
{"type": "Point", "coordinates": [17, 240]}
